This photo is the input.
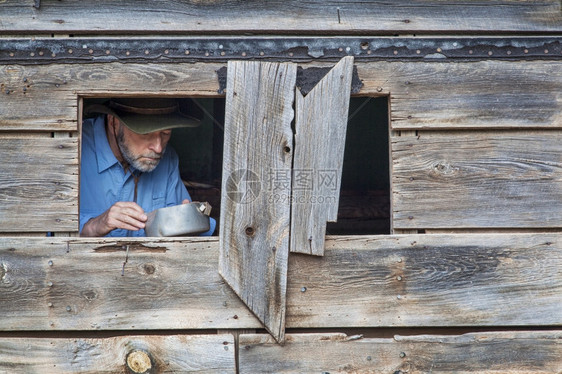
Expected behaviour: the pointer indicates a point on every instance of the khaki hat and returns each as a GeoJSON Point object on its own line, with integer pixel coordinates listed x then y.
{"type": "Point", "coordinates": [146, 115]}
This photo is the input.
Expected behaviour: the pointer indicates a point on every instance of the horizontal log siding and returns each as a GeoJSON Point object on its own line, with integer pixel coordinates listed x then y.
{"type": "Point", "coordinates": [121, 354]}
{"type": "Point", "coordinates": [281, 17]}
{"type": "Point", "coordinates": [424, 95]}
{"type": "Point", "coordinates": [379, 281]}
{"type": "Point", "coordinates": [477, 180]}
{"type": "Point", "coordinates": [38, 184]}
{"type": "Point", "coordinates": [50, 99]}
{"type": "Point", "coordinates": [469, 95]}
{"type": "Point", "coordinates": [482, 353]}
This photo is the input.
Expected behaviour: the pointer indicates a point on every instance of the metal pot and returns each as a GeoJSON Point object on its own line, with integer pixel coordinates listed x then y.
{"type": "Point", "coordinates": [179, 220]}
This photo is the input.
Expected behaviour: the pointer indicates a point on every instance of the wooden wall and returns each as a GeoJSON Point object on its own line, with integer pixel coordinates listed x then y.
{"type": "Point", "coordinates": [72, 286]}
{"type": "Point", "coordinates": [476, 197]}
{"type": "Point", "coordinates": [503, 173]}
{"type": "Point", "coordinates": [282, 17]}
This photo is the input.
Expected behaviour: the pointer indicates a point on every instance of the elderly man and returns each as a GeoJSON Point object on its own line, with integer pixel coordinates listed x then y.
{"type": "Point", "coordinates": [127, 170]}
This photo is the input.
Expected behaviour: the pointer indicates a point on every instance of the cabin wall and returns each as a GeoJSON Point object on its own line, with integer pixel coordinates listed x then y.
{"type": "Point", "coordinates": [468, 280]}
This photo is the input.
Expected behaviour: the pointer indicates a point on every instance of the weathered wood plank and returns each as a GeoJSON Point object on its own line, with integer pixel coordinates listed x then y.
{"type": "Point", "coordinates": [320, 130]}
{"type": "Point", "coordinates": [76, 284]}
{"type": "Point", "coordinates": [53, 90]}
{"type": "Point", "coordinates": [484, 94]}
{"type": "Point", "coordinates": [491, 353]}
{"type": "Point", "coordinates": [378, 281]}
{"type": "Point", "coordinates": [38, 184]}
{"type": "Point", "coordinates": [463, 95]}
{"type": "Point", "coordinates": [477, 180]}
{"type": "Point", "coordinates": [339, 17]}
{"type": "Point", "coordinates": [39, 98]}
{"type": "Point", "coordinates": [428, 280]}
{"type": "Point", "coordinates": [255, 230]}
{"type": "Point", "coordinates": [122, 354]}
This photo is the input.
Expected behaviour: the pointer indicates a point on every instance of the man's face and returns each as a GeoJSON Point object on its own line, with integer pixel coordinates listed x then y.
{"type": "Point", "coordinates": [143, 152]}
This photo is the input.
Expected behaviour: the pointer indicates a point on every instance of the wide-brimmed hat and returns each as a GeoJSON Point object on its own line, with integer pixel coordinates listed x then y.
{"type": "Point", "coordinates": [146, 115]}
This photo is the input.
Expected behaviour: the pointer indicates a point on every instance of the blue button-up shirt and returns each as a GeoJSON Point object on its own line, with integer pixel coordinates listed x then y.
{"type": "Point", "coordinates": [103, 181]}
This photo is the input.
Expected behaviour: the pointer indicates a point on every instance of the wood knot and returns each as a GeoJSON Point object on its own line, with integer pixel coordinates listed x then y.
{"type": "Point", "coordinates": [139, 362]}
{"type": "Point", "coordinates": [249, 231]}
{"type": "Point", "coordinates": [445, 168]}
{"type": "Point", "coordinates": [89, 295]}
{"type": "Point", "coordinates": [149, 268]}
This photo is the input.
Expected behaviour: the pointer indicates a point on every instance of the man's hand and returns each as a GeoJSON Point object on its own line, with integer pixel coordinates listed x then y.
{"type": "Point", "coordinates": [121, 215]}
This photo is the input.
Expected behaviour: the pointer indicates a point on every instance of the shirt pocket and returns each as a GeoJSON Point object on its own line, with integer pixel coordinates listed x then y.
{"type": "Point", "coordinates": [158, 202]}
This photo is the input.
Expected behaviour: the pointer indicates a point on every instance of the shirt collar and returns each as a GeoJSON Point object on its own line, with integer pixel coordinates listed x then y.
{"type": "Point", "coordinates": [104, 155]}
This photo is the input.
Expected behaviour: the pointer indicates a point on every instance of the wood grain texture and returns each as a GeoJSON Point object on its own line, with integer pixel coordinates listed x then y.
{"type": "Point", "coordinates": [428, 280]}
{"type": "Point", "coordinates": [335, 17]}
{"type": "Point", "coordinates": [163, 354]}
{"type": "Point", "coordinates": [320, 130]}
{"type": "Point", "coordinates": [378, 281]}
{"type": "Point", "coordinates": [483, 353]}
{"type": "Point", "coordinates": [438, 95]}
{"type": "Point", "coordinates": [38, 184]}
{"type": "Point", "coordinates": [468, 95]}
{"type": "Point", "coordinates": [38, 99]}
{"type": "Point", "coordinates": [78, 284]}
{"type": "Point", "coordinates": [50, 99]}
{"type": "Point", "coordinates": [477, 180]}
{"type": "Point", "coordinates": [254, 229]}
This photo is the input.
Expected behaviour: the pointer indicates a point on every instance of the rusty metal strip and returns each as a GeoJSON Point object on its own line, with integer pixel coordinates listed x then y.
{"type": "Point", "coordinates": [173, 49]}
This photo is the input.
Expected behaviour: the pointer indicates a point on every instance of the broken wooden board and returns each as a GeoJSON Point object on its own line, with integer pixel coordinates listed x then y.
{"type": "Point", "coordinates": [120, 354]}
{"type": "Point", "coordinates": [320, 129]}
{"type": "Point", "coordinates": [258, 149]}
{"type": "Point", "coordinates": [484, 353]}
{"type": "Point", "coordinates": [38, 184]}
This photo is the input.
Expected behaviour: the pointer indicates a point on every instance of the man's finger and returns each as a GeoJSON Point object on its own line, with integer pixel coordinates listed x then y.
{"type": "Point", "coordinates": [129, 205]}
{"type": "Point", "coordinates": [125, 222]}
{"type": "Point", "coordinates": [126, 215]}
{"type": "Point", "coordinates": [135, 214]}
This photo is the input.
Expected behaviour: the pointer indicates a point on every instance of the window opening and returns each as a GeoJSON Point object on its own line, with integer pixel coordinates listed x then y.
{"type": "Point", "coordinates": [364, 207]}
{"type": "Point", "coordinates": [199, 164]}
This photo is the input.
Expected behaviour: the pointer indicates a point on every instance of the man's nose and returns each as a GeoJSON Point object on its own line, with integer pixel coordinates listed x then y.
{"type": "Point", "coordinates": [156, 144]}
